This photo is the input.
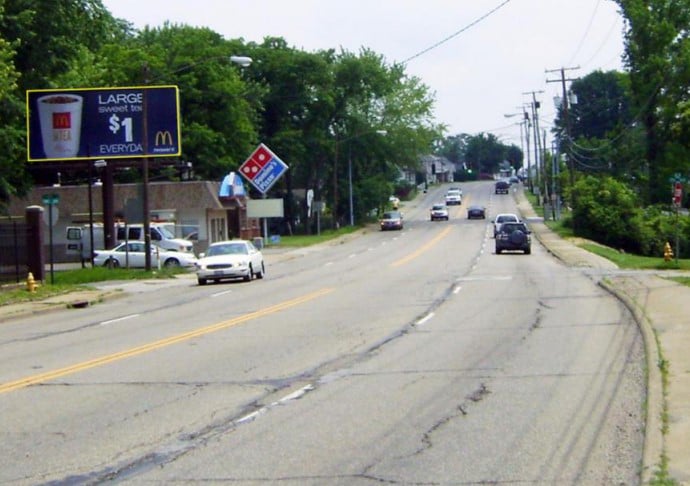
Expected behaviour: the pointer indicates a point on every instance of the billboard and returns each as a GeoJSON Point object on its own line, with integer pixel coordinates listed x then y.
{"type": "Point", "coordinates": [103, 123]}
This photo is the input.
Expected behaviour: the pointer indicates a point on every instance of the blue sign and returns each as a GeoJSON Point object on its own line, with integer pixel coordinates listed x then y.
{"type": "Point", "coordinates": [73, 124]}
{"type": "Point", "coordinates": [263, 168]}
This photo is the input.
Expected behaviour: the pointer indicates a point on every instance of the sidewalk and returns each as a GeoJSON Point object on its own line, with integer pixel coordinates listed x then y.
{"type": "Point", "coordinates": [662, 309]}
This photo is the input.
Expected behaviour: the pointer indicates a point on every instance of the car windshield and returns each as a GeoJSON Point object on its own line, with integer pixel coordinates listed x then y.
{"type": "Point", "coordinates": [391, 215]}
{"type": "Point", "coordinates": [227, 249]}
{"type": "Point", "coordinates": [438, 207]}
{"type": "Point", "coordinates": [506, 217]}
{"type": "Point", "coordinates": [166, 232]}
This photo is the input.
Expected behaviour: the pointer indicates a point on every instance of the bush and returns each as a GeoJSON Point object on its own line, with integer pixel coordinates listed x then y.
{"type": "Point", "coordinates": [608, 212]}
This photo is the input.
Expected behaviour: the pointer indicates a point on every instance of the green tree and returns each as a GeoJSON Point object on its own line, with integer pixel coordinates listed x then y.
{"type": "Point", "coordinates": [453, 148]}
{"type": "Point", "coordinates": [39, 40]}
{"type": "Point", "coordinates": [656, 54]}
{"type": "Point", "coordinates": [485, 153]}
{"type": "Point", "coordinates": [12, 178]}
{"type": "Point", "coordinates": [218, 113]}
{"type": "Point", "coordinates": [602, 107]}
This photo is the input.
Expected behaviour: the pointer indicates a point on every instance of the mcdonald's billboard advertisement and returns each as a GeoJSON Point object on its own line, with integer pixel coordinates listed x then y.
{"type": "Point", "coordinates": [103, 123]}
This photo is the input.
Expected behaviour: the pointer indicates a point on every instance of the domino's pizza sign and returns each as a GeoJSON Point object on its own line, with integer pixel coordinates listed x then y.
{"type": "Point", "coordinates": [263, 168]}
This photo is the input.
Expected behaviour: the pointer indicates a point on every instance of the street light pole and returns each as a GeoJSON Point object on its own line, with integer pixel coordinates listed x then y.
{"type": "Point", "coordinates": [242, 61]}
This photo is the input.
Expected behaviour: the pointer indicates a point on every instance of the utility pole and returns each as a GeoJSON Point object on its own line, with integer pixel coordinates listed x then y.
{"type": "Point", "coordinates": [566, 119]}
{"type": "Point", "coordinates": [528, 126]}
{"type": "Point", "coordinates": [535, 125]}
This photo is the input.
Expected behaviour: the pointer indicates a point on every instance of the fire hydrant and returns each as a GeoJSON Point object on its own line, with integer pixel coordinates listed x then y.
{"type": "Point", "coordinates": [668, 252]}
{"type": "Point", "coordinates": [31, 283]}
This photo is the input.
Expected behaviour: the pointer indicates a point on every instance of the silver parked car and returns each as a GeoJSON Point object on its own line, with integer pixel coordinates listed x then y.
{"type": "Point", "coordinates": [230, 259]}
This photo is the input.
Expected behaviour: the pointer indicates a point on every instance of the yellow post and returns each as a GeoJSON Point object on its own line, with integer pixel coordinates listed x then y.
{"type": "Point", "coordinates": [668, 252]}
{"type": "Point", "coordinates": [30, 283]}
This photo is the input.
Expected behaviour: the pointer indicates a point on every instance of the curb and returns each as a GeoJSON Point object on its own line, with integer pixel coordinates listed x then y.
{"type": "Point", "coordinates": [655, 401]}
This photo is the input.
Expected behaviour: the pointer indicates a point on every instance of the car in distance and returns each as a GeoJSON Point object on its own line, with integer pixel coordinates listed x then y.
{"type": "Point", "coordinates": [453, 196]}
{"type": "Point", "coordinates": [504, 218]}
{"type": "Point", "coordinates": [132, 254]}
{"type": "Point", "coordinates": [502, 187]}
{"type": "Point", "coordinates": [438, 212]}
{"type": "Point", "coordinates": [513, 236]}
{"type": "Point", "coordinates": [394, 202]}
{"type": "Point", "coordinates": [230, 259]}
{"type": "Point", "coordinates": [476, 212]}
{"type": "Point", "coordinates": [391, 220]}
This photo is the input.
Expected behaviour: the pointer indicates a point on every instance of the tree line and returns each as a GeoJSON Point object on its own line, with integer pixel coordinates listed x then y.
{"type": "Point", "coordinates": [322, 112]}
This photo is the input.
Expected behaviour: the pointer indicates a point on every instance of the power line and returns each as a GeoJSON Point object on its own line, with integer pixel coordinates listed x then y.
{"type": "Point", "coordinates": [584, 36]}
{"type": "Point", "coordinates": [443, 41]}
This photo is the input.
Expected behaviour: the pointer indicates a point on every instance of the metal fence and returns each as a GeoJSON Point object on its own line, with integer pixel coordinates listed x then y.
{"type": "Point", "coordinates": [14, 254]}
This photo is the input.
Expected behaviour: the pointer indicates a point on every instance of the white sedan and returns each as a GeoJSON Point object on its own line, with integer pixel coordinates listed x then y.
{"type": "Point", "coordinates": [230, 259]}
{"type": "Point", "coordinates": [504, 218]}
{"type": "Point", "coordinates": [132, 254]}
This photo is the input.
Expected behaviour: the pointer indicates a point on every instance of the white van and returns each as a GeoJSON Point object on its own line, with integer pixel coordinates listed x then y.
{"type": "Point", "coordinates": [160, 236]}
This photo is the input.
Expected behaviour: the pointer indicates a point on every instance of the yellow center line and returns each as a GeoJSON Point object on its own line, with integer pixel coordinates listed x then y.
{"type": "Point", "coordinates": [145, 348]}
{"type": "Point", "coordinates": [422, 249]}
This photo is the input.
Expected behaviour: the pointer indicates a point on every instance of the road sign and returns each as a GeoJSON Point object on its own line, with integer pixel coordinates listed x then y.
{"type": "Point", "coordinates": [50, 199]}
{"type": "Point", "coordinates": [263, 168]}
{"type": "Point", "coordinates": [85, 124]}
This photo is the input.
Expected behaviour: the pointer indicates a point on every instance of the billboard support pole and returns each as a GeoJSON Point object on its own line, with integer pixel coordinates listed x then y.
{"type": "Point", "coordinates": [145, 195]}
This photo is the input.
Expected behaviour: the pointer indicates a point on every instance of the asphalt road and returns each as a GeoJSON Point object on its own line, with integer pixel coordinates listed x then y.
{"type": "Point", "coordinates": [416, 356]}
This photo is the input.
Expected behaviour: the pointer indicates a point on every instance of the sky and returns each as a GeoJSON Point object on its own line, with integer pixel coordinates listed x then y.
{"type": "Point", "coordinates": [482, 59]}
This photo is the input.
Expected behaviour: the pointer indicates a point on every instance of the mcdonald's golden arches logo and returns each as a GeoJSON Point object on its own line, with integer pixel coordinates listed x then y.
{"type": "Point", "coordinates": [62, 120]}
{"type": "Point", "coordinates": [163, 137]}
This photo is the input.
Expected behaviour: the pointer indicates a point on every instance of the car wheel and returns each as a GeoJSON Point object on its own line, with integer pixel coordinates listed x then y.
{"type": "Point", "coordinates": [202, 281]}
{"type": "Point", "coordinates": [498, 251]}
{"type": "Point", "coordinates": [111, 263]}
{"type": "Point", "coordinates": [171, 262]}
{"type": "Point", "coordinates": [249, 275]}
{"type": "Point", "coordinates": [528, 251]}
{"type": "Point", "coordinates": [518, 238]}
{"type": "Point", "coordinates": [261, 273]}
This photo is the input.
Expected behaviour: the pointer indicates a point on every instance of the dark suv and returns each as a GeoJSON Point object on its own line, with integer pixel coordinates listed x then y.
{"type": "Point", "coordinates": [502, 187]}
{"type": "Point", "coordinates": [513, 236]}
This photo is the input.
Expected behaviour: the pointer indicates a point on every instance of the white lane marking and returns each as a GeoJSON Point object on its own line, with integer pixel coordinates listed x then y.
{"type": "Point", "coordinates": [289, 397]}
{"type": "Point", "coordinates": [329, 263]}
{"type": "Point", "coordinates": [124, 318]}
{"type": "Point", "coordinates": [457, 289]}
{"type": "Point", "coordinates": [251, 416]}
{"type": "Point", "coordinates": [353, 255]}
{"type": "Point", "coordinates": [218, 294]}
{"type": "Point", "coordinates": [424, 319]}
{"type": "Point", "coordinates": [294, 395]}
